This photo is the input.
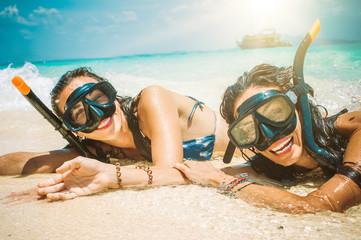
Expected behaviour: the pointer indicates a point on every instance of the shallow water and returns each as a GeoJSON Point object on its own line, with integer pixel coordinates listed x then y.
{"type": "Point", "coordinates": [170, 212]}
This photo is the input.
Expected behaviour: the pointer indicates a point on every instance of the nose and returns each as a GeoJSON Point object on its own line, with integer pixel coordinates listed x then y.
{"type": "Point", "coordinates": [268, 131]}
{"type": "Point", "coordinates": [96, 111]}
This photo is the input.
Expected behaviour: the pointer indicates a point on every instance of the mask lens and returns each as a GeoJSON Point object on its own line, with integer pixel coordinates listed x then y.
{"type": "Point", "coordinates": [276, 110]}
{"type": "Point", "coordinates": [102, 95]}
{"type": "Point", "coordinates": [77, 116]}
{"type": "Point", "coordinates": [244, 131]}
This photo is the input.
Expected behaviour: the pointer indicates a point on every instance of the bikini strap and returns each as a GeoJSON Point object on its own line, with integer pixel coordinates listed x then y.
{"type": "Point", "coordinates": [198, 103]}
{"type": "Point", "coordinates": [140, 141]}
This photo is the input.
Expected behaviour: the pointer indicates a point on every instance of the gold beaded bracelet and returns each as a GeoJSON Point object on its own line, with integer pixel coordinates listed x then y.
{"type": "Point", "coordinates": [119, 174]}
{"type": "Point", "coordinates": [146, 168]}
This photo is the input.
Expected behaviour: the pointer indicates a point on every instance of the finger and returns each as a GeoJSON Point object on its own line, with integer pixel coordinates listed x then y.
{"type": "Point", "coordinates": [181, 167]}
{"type": "Point", "coordinates": [189, 163]}
{"type": "Point", "coordinates": [67, 195]}
{"type": "Point", "coordinates": [69, 165]}
{"type": "Point", "coordinates": [53, 196]}
{"type": "Point", "coordinates": [52, 189]}
{"type": "Point", "coordinates": [51, 181]}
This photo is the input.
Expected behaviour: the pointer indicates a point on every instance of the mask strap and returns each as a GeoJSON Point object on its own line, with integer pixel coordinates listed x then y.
{"type": "Point", "coordinates": [227, 158]}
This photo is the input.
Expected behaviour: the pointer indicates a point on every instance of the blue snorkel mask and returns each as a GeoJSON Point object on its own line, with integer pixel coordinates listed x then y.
{"type": "Point", "coordinates": [88, 105]}
{"type": "Point", "coordinates": [263, 119]}
{"type": "Point", "coordinates": [266, 130]}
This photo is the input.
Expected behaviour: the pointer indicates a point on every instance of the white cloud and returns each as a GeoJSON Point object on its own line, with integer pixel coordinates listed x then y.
{"type": "Point", "coordinates": [26, 34]}
{"type": "Point", "coordinates": [37, 17]}
{"type": "Point", "coordinates": [124, 16]}
{"type": "Point", "coordinates": [11, 12]}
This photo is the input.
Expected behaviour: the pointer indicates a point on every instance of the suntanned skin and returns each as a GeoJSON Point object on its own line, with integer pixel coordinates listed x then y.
{"type": "Point", "coordinates": [337, 194]}
{"type": "Point", "coordinates": [163, 118]}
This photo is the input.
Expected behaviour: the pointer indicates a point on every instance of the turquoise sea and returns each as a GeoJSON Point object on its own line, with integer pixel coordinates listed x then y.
{"type": "Point", "coordinates": [333, 70]}
{"type": "Point", "coordinates": [169, 212]}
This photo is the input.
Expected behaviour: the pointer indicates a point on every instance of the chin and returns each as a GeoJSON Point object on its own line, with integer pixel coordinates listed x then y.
{"type": "Point", "coordinates": [286, 160]}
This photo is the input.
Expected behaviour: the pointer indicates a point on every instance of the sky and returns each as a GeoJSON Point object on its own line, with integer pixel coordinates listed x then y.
{"type": "Point", "coordinates": [41, 30]}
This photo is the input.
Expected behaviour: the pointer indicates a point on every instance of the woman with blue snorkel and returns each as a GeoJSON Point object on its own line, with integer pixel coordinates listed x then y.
{"type": "Point", "coordinates": [263, 118]}
{"type": "Point", "coordinates": [157, 125]}
{"type": "Point", "coordinates": [275, 119]}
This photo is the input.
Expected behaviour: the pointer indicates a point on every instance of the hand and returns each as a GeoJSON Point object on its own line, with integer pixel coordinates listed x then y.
{"type": "Point", "coordinates": [77, 177]}
{"type": "Point", "coordinates": [202, 172]}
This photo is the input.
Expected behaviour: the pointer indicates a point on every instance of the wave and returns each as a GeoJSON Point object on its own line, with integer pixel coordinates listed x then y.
{"type": "Point", "coordinates": [11, 99]}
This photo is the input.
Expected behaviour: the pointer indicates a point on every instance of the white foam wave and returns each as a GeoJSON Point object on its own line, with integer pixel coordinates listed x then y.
{"type": "Point", "coordinates": [11, 99]}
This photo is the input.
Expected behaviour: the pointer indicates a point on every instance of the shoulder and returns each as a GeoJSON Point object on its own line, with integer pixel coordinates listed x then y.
{"type": "Point", "coordinates": [157, 95]}
{"type": "Point", "coordinates": [153, 90]}
{"type": "Point", "coordinates": [348, 123]}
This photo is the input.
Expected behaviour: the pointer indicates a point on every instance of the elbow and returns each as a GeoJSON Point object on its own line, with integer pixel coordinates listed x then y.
{"type": "Point", "coordinates": [322, 203]}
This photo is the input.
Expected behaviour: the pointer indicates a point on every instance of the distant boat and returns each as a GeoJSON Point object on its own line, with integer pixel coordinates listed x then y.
{"type": "Point", "coordinates": [268, 38]}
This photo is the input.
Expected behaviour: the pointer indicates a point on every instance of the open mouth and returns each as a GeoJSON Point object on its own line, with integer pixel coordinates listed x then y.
{"type": "Point", "coordinates": [284, 147]}
{"type": "Point", "coordinates": [105, 123]}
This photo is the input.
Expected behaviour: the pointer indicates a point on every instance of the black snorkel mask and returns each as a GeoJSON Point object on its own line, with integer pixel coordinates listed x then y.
{"type": "Point", "coordinates": [88, 105]}
{"type": "Point", "coordinates": [299, 96]}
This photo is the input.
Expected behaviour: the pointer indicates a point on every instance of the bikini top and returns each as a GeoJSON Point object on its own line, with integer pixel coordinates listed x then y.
{"type": "Point", "coordinates": [196, 149]}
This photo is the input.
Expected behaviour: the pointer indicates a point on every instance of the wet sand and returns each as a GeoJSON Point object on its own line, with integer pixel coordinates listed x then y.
{"type": "Point", "coordinates": [169, 212]}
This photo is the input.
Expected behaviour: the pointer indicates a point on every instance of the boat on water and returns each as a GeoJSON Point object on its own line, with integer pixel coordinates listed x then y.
{"type": "Point", "coordinates": [268, 38]}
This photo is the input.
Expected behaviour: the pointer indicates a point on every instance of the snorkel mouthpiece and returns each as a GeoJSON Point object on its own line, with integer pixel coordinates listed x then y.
{"type": "Point", "coordinates": [319, 154]}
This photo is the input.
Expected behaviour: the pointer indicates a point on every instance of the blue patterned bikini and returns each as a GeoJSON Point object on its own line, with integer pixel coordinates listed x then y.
{"type": "Point", "coordinates": [200, 148]}
{"type": "Point", "coordinates": [194, 149]}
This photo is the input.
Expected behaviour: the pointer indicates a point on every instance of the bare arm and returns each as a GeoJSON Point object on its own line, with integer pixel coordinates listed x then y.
{"type": "Point", "coordinates": [34, 162]}
{"type": "Point", "coordinates": [84, 176]}
{"type": "Point", "coordinates": [337, 194]}
{"type": "Point", "coordinates": [159, 119]}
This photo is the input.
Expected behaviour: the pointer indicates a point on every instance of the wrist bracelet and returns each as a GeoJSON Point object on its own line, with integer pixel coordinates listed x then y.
{"type": "Point", "coordinates": [119, 174]}
{"type": "Point", "coordinates": [146, 168]}
{"type": "Point", "coordinates": [235, 182]}
{"type": "Point", "coordinates": [229, 188]}
{"type": "Point", "coordinates": [246, 185]}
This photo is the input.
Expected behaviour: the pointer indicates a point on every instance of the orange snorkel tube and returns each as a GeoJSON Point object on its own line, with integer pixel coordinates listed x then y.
{"type": "Point", "coordinates": [25, 90]}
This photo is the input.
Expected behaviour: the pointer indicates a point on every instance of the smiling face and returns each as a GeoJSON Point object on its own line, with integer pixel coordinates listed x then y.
{"type": "Point", "coordinates": [286, 151]}
{"type": "Point", "coordinates": [108, 128]}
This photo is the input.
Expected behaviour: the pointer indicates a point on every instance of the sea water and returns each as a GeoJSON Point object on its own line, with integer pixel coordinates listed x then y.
{"type": "Point", "coordinates": [182, 212]}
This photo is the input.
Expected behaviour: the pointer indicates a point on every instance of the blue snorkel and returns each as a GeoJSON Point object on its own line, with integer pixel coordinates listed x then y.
{"type": "Point", "coordinates": [319, 154]}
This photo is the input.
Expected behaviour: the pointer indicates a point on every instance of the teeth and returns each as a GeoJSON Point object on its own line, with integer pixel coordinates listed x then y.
{"type": "Point", "coordinates": [104, 123]}
{"type": "Point", "coordinates": [284, 146]}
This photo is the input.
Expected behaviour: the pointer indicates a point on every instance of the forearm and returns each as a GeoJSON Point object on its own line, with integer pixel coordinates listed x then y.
{"type": "Point", "coordinates": [33, 162]}
{"type": "Point", "coordinates": [337, 195]}
{"type": "Point", "coordinates": [277, 199]}
{"type": "Point", "coordinates": [131, 177]}
{"type": "Point", "coordinates": [270, 197]}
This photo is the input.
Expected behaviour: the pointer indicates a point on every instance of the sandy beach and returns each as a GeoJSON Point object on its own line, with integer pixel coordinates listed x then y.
{"type": "Point", "coordinates": [168, 212]}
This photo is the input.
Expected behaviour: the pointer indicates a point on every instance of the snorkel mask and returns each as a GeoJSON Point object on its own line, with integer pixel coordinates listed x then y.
{"type": "Point", "coordinates": [88, 106]}
{"type": "Point", "coordinates": [263, 119]}
{"type": "Point", "coordinates": [265, 129]}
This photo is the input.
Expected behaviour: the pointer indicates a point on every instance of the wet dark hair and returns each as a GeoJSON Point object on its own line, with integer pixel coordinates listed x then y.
{"type": "Point", "coordinates": [266, 75]}
{"type": "Point", "coordinates": [68, 77]}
